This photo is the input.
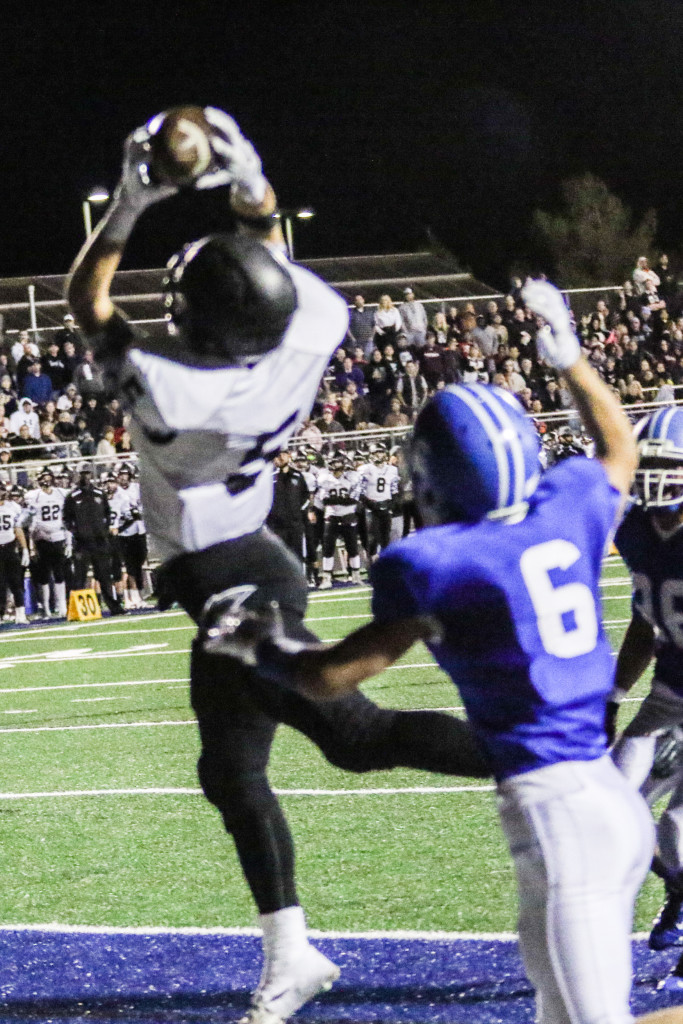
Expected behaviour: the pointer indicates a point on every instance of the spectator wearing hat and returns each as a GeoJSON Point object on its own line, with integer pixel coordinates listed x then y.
{"type": "Point", "coordinates": [70, 334]}
{"type": "Point", "coordinates": [361, 325]}
{"type": "Point", "coordinates": [25, 416]}
{"type": "Point", "coordinates": [37, 385]}
{"type": "Point", "coordinates": [414, 319]}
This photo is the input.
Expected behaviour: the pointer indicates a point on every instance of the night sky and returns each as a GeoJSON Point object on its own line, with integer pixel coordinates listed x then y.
{"type": "Point", "coordinates": [395, 121]}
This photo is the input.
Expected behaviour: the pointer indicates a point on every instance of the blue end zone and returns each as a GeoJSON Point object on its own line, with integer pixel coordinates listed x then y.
{"type": "Point", "coordinates": [167, 979]}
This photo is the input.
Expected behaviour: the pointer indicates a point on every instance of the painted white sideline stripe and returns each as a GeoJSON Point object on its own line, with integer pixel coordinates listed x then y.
{"type": "Point", "coordinates": [400, 934]}
{"type": "Point", "coordinates": [194, 791]}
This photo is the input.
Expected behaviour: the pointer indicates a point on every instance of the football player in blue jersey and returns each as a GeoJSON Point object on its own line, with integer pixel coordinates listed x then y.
{"type": "Point", "coordinates": [502, 584]}
{"type": "Point", "coordinates": [650, 540]}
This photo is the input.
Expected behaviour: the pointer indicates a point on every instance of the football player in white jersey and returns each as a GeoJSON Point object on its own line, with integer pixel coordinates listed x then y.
{"type": "Point", "coordinates": [45, 506]}
{"type": "Point", "coordinates": [132, 537]}
{"type": "Point", "coordinates": [118, 507]}
{"type": "Point", "coordinates": [210, 406]}
{"type": "Point", "coordinates": [379, 487]}
{"type": "Point", "coordinates": [12, 562]}
{"type": "Point", "coordinates": [337, 498]}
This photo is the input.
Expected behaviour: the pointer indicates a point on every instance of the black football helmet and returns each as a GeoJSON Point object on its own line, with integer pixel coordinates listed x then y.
{"type": "Point", "coordinates": [229, 298]}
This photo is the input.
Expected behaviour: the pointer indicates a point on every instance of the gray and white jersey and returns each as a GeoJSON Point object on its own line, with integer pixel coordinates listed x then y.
{"type": "Point", "coordinates": [11, 516]}
{"type": "Point", "coordinates": [133, 521]}
{"type": "Point", "coordinates": [379, 483]}
{"type": "Point", "coordinates": [118, 507]}
{"type": "Point", "coordinates": [45, 512]}
{"type": "Point", "coordinates": [206, 436]}
{"type": "Point", "coordinates": [338, 496]}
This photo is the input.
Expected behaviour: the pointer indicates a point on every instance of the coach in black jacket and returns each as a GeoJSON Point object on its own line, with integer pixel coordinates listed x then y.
{"type": "Point", "coordinates": [86, 516]}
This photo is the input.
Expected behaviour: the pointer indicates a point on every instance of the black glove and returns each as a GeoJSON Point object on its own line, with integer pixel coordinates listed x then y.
{"type": "Point", "coordinates": [611, 713]}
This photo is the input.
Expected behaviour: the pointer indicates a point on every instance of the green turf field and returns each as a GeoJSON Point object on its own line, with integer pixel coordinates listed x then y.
{"type": "Point", "coordinates": [104, 706]}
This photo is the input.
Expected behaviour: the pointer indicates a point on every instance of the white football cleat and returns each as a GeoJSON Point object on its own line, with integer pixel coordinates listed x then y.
{"type": "Point", "coordinates": [20, 615]}
{"type": "Point", "coordinates": [281, 992]}
{"type": "Point", "coordinates": [325, 581]}
{"type": "Point", "coordinates": [355, 576]}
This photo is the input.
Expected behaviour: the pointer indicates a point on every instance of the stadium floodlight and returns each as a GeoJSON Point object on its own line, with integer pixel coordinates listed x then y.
{"type": "Point", "coordinates": [96, 195]}
{"type": "Point", "coordinates": [287, 218]}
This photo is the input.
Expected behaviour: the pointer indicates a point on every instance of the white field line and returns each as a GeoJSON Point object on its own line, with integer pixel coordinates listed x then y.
{"type": "Point", "coordinates": [87, 686]}
{"type": "Point", "coordinates": [194, 791]}
{"type": "Point", "coordinates": [74, 627]}
{"type": "Point", "coordinates": [54, 658]}
{"type": "Point", "coordinates": [93, 700]}
{"type": "Point", "coordinates": [400, 934]}
{"type": "Point", "coordinates": [420, 936]}
{"type": "Point", "coordinates": [30, 635]}
{"type": "Point", "coordinates": [339, 618]}
{"type": "Point", "coordinates": [100, 725]}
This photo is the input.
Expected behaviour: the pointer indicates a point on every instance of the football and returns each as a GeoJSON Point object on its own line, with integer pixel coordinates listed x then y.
{"type": "Point", "coordinates": [181, 146]}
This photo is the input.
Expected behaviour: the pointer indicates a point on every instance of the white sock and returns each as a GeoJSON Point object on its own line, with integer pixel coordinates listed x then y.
{"type": "Point", "coordinates": [60, 595]}
{"type": "Point", "coordinates": [45, 591]}
{"type": "Point", "coordinates": [284, 932]}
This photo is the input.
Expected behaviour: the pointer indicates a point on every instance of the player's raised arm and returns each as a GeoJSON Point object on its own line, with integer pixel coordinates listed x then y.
{"type": "Point", "coordinates": [234, 162]}
{"type": "Point", "coordinates": [598, 407]}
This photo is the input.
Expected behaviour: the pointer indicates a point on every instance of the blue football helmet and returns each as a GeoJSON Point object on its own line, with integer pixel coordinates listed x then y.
{"type": "Point", "coordinates": [658, 481]}
{"type": "Point", "coordinates": [474, 454]}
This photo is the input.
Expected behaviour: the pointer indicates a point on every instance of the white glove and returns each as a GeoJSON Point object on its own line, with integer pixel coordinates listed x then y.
{"type": "Point", "coordinates": [557, 343]}
{"type": "Point", "coordinates": [135, 190]}
{"type": "Point", "coordinates": [25, 558]}
{"type": "Point", "coordinates": [68, 545]}
{"type": "Point", "coordinates": [238, 163]}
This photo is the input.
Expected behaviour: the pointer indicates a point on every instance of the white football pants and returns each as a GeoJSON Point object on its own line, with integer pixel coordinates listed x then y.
{"type": "Point", "coordinates": [582, 839]}
{"type": "Point", "coordinates": [633, 755]}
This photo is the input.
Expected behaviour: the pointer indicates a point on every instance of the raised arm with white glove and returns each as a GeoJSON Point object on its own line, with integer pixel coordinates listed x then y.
{"type": "Point", "coordinates": [556, 342]}
{"type": "Point", "coordinates": [598, 407]}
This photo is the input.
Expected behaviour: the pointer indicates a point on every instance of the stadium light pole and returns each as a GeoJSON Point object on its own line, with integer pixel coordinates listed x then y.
{"type": "Point", "coordinates": [288, 217]}
{"type": "Point", "coordinates": [96, 195]}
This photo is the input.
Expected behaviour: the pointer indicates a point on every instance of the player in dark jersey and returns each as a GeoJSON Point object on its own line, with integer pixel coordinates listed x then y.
{"type": "Point", "coordinates": [650, 540]}
{"type": "Point", "coordinates": [210, 407]}
{"type": "Point", "coordinates": [502, 583]}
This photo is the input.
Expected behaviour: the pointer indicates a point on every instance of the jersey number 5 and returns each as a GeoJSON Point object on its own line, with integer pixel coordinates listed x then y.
{"type": "Point", "coordinates": [566, 616]}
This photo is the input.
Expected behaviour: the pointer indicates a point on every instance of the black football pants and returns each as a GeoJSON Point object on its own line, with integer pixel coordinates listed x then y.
{"type": "Point", "coordinates": [238, 714]}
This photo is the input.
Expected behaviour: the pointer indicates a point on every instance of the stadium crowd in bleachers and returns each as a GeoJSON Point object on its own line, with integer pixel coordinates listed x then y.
{"type": "Point", "coordinates": [396, 356]}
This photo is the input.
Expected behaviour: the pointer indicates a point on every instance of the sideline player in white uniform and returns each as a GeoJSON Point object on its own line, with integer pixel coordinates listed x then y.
{"type": "Point", "coordinates": [132, 537]}
{"type": "Point", "coordinates": [45, 507]}
{"type": "Point", "coordinates": [379, 488]}
{"type": "Point", "coordinates": [337, 499]}
{"type": "Point", "coordinates": [12, 563]}
{"type": "Point", "coordinates": [118, 507]}
{"type": "Point", "coordinates": [210, 407]}
{"type": "Point", "coordinates": [503, 584]}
